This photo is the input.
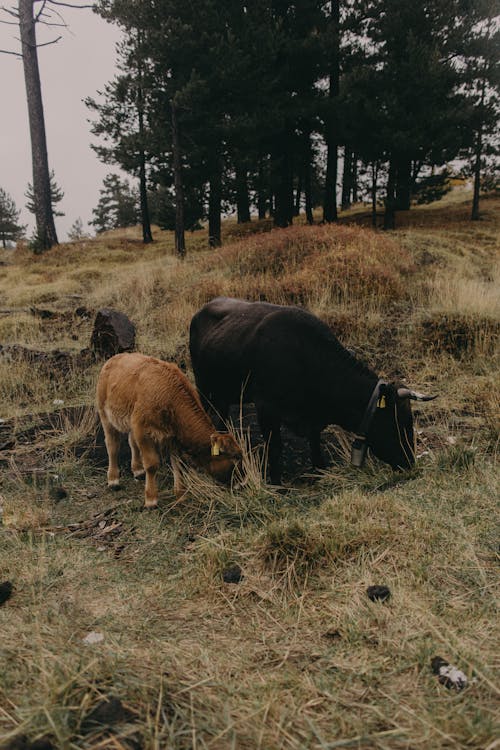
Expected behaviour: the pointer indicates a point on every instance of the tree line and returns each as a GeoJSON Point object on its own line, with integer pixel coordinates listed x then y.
{"type": "Point", "coordinates": [221, 107]}
{"type": "Point", "coordinates": [248, 106]}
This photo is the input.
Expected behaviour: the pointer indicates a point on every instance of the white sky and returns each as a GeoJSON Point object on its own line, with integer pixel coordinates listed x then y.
{"type": "Point", "coordinates": [77, 66]}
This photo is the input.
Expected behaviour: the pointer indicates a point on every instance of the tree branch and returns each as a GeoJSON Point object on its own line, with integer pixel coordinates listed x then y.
{"type": "Point", "coordinates": [8, 52]}
{"type": "Point", "coordinates": [40, 11]}
{"type": "Point", "coordinates": [69, 5]}
{"type": "Point", "coordinates": [46, 44]}
{"type": "Point", "coordinates": [10, 12]}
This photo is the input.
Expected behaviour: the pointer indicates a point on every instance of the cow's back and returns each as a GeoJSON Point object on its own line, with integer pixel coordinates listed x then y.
{"type": "Point", "coordinates": [274, 352]}
{"type": "Point", "coordinates": [220, 337]}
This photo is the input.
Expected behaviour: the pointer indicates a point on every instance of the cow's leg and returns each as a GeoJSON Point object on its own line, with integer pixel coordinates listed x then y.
{"type": "Point", "coordinates": [150, 462]}
{"type": "Point", "coordinates": [179, 489]}
{"type": "Point", "coordinates": [136, 463]}
{"type": "Point", "coordinates": [270, 426]}
{"type": "Point", "coordinates": [112, 440]}
{"type": "Point", "coordinates": [317, 458]}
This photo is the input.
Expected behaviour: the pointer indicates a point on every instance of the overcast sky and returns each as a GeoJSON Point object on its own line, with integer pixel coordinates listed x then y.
{"type": "Point", "coordinates": [77, 66]}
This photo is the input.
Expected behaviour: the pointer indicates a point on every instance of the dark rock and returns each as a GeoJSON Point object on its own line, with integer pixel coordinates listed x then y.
{"type": "Point", "coordinates": [5, 591]}
{"type": "Point", "coordinates": [108, 711]}
{"type": "Point", "coordinates": [21, 742]}
{"type": "Point", "coordinates": [82, 312]}
{"type": "Point", "coordinates": [378, 593]}
{"type": "Point", "coordinates": [58, 493]}
{"type": "Point", "coordinates": [113, 333]}
{"type": "Point", "coordinates": [332, 635]}
{"type": "Point", "coordinates": [41, 313]}
{"type": "Point", "coordinates": [44, 743]}
{"type": "Point", "coordinates": [232, 574]}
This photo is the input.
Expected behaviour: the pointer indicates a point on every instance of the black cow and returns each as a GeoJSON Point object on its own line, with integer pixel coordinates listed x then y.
{"type": "Point", "coordinates": [296, 371]}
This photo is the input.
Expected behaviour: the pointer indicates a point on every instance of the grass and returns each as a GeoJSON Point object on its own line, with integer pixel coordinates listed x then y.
{"type": "Point", "coordinates": [295, 655]}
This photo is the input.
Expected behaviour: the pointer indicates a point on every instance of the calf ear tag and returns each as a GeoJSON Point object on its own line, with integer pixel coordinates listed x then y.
{"type": "Point", "coordinates": [381, 402]}
{"type": "Point", "coordinates": [215, 448]}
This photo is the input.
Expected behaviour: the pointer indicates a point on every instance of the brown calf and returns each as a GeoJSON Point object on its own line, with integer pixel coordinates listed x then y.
{"type": "Point", "coordinates": [155, 403]}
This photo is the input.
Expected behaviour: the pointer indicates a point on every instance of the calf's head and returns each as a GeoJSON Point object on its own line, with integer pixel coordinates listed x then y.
{"type": "Point", "coordinates": [391, 436]}
{"type": "Point", "coordinates": [225, 456]}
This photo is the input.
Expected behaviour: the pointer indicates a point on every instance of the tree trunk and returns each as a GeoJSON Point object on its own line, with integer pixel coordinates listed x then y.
{"type": "Point", "coordinates": [374, 193]}
{"type": "Point", "coordinates": [403, 184]}
{"type": "Point", "coordinates": [147, 235]}
{"type": "Point", "coordinates": [298, 196]}
{"type": "Point", "coordinates": [262, 188]}
{"type": "Point", "coordinates": [390, 203]}
{"type": "Point", "coordinates": [44, 216]}
{"type": "Point", "coordinates": [242, 199]}
{"type": "Point", "coordinates": [180, 241]}
{"type": "Point", "coordinates": [214, 208]}
{"type": "Point", "coordinates": [330, 197]}
{"type": "Point", "coordinates": [477, 162]}
{"type": "Point", "coordinates": [354, 178]}
{"type": "Point", "coordinates": [477, 176]}
{"type": "Point", "coordinates": [283, 183]}
{"type": "Point", "coordinates": [347, 179]}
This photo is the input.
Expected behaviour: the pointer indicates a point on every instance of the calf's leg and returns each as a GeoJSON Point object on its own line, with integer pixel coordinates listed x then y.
{"type": "Point", "coordinates": [136, 463]}
{"type": "Point", "coordinates": [112, 440]}
{"type": "Point", "coordinates": [151, 462]}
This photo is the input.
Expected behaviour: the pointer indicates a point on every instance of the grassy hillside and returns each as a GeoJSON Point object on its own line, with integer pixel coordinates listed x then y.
{"type": "Point", "coordinates": [295, 655]}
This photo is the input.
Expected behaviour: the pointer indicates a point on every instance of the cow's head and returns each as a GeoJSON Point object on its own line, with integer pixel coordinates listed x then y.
{"type": "Point", "coordinates": [390, 435]}
{"type": "Point", "coordinates": [225, 456]}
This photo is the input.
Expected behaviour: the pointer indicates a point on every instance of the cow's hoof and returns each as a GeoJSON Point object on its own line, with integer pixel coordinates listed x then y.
{"type": "Point", "coordinates": [139, 476]}
{"type": "Point", "coordinates": [114, 486]}
{"type": "Point", "coordinates": [150, 507]}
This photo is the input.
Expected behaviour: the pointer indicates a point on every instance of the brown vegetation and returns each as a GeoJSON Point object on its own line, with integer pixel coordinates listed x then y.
{"type": "Point", "coordinates": [294, 655]}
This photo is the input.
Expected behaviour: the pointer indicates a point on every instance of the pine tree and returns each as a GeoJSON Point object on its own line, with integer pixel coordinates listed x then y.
{"type": "Point", "coordinates": [117, 206]}
{"type": "Point", "coordinates": [10, 229]}
{"type": "Point", "coordinates": [122, 122]}
{"type": "Point", "coordinates": [482, 81]}
{"type": "Point", "coordinates": [77, 233]}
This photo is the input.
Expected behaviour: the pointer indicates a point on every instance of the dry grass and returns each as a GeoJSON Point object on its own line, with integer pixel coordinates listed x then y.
{"type": "Point", "coordinates": [295, 655]}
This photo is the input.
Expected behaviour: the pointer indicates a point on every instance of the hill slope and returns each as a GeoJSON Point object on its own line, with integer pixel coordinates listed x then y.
{"type": "Point", "coordinates": [295, 655]}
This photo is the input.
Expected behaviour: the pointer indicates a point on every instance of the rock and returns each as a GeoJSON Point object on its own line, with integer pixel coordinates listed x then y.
{"type": "Point", "coordinates": [378, 593]}
{"type": "Point", "coordinates": [108, 711]}
{"type": "Point", "coordinates": [113, 333]}
{"type": "Point", "coordinates": [5, 591]}
{"type": "Point", "coordinates": [232, 574]}
{"type": "Point", "coordinates": [44, 743]}
{"type": "Point", "coordinates": [448, 675]}
{"type": "Point", "coordinates": [21, 742]}
{"type": "Point", "coordinates": [332, 635]}
{"type": "Point", "coordinates": [43, 314]}
{"type": "Point", "coordinates": [82, 312]}
{"type": "Point", "coordinates": [58, 493]}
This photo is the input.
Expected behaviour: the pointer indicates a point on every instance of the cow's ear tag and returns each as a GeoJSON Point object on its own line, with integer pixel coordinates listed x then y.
{"type": "Point", "coordinates": [215, 448]}
{"type": "Point", "coordinates": [381, 402]}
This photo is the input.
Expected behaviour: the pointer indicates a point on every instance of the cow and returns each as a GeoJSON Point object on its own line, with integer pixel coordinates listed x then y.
{"type": "Point", "coordinates": [154, 402]}
{"type": "Point", "coordinates": [291, 365]}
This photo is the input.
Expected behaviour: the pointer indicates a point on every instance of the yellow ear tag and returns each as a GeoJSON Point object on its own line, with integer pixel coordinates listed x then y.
{"type": "Point", "coordinates": [215, 449]}
{"type": "Point", "coordinates": [381, 402]}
